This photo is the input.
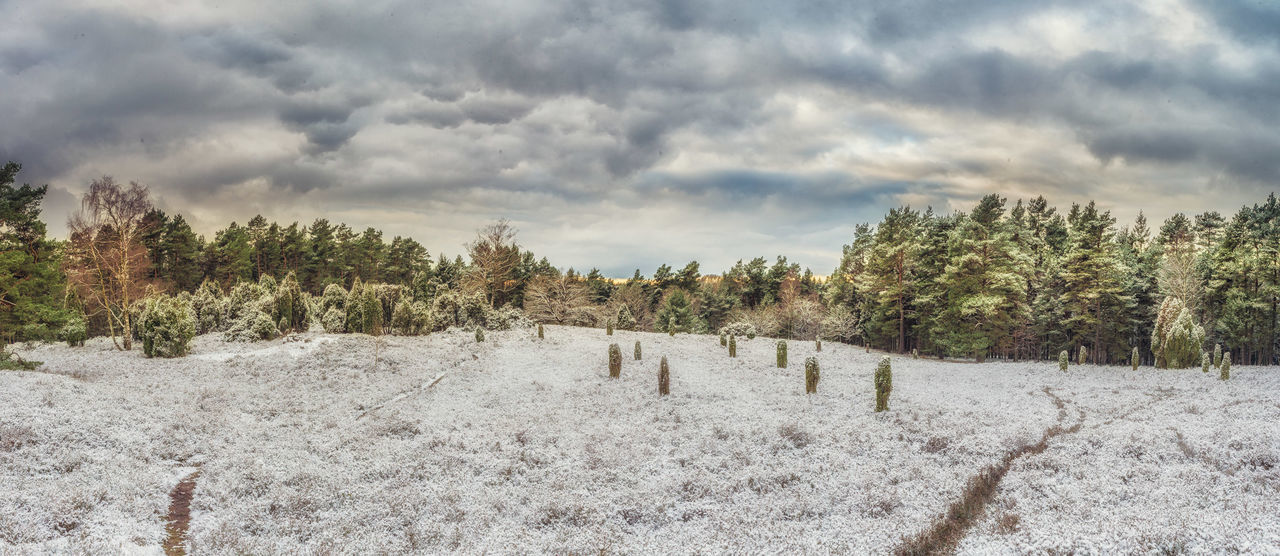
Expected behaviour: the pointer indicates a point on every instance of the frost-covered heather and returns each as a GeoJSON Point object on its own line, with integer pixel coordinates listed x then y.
{"type": "Point", "coordinates": [312, 443]}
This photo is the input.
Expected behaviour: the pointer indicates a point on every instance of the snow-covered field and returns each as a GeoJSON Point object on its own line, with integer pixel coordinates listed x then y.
{"type": "Point", "coordinates": [317, 443]}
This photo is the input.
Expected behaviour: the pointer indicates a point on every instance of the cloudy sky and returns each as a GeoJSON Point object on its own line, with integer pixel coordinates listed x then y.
{"type": "Point", "coordinates": [626, 134]}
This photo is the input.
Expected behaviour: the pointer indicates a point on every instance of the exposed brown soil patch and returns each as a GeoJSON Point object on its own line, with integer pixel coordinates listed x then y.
{"type": "Point", "coordinates": [179, 516]}
{"type": "Point", "coordinates": [948, 529]}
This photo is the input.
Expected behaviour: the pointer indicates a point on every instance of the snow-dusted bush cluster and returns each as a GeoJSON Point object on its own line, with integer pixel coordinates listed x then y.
{"type": "Point", "coordinates": [626, 320]}
{"type": "Point", "coordinates": [74, 333]}
{"type": "Point", "coordinates": [263, 310]}
{"type": "Point", "coordinates": [739, 328]}
{"type": "Point", "coordinates": [453, 309]}
{"type": "Point", "coordinates": [782, 354]}
{"type": "Point", "coordinates": [1063, 361]}
{"type": "Point", "coordinates": [1176, 339]}
{"type": "Point", "coordinates": [166, 326]}
{"type": "Point", "coordinates": [637, 351]}
{"type": "Point", "coordinates": [733, 346]}
{"type": "Point", "coordinates": [842, 325]}
{"type": "Point", "coordinates": [811, 375]}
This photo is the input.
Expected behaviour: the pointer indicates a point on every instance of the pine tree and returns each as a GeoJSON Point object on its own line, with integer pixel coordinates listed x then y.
{"type": "Point", "coordinates": [1094, 297]}
{"type": "Point", "coordinates": [984, 285]}
{"type": "Point", "coordinates": [889, 280]}
{"type": "Point", "coordinates": [30, 283]}
{"type": "Point", "coordinates": [676, 314]}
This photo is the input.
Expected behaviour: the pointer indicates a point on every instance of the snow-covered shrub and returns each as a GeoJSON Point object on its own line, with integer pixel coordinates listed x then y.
{"type": "Point", "coordinates": [1217, 355]}
{"type": "Point", "coordinates": [637, 350]}
{"type": "Point", "coordinates": [841, 325]}
{"type": "Point", "coordinates": [798, 318]}
{"type": "Point", "coordinates": [210, 306]}
{"type": "Point", "coordinates": [334, 321]}
{"type": "Point", "coordinates": [1205, 361]}
{"type": "Point", "coordinates": [782, 354]}
{"type": "Point", "coordinates": [74, 333]}
{"type": "Point", "coordinates": [290, 309]}
{"type": "Point", "coordinates": [811, 375]}
{"type": "Point", "coordinates": [334, 297]}
{"type": "Point", "coordinates": [450, 309]}
{"type": "Point", "coordinates": [733, 346]}
{"type": "Point", "coordinates": [389, 295]}
{"type": "Point", "coordinates": [615, 361]}
{"type": "Point", "coordinates": [250, 309]}
{"type": "Point", "coordinates": [884, 384]}
{"type": "Point", "coordinates": [672, 326]}
{"type": "Point", "coordinates": [724, 340]}
{"type": "Point", "coordinates": [166, 326]}
{"type": "Point", "coordinates": [410, 318]}
{"type": "Point", "coordinates": [268, 284]}
{"type": "Point", "coordinates": [243, 299]}
{"type": "Point", "coordinates": [1176, 339]}
{"type": "Point", "coordinates": [506, 318]}
{"type": "Point", "coordinates": [664, 375]}
{"type": "Point", "coordinates": [1063, 360]}
{"type": "Point", "coordinates": [739, 328]}
{"type": "Point", "coordinates": [608, 327]}
{"type": "Point", "coordinates": [762, 321]}
{"type": "Point", "coordinates": [1225, 372]}
{"type": "Point", "coordinates": [540, 334]}
{"type": "Point", "coordinates": [1084, 356]}
{"type": "Point", "coordinates": [251, 327]}
{"type": "Point", "coordinates": [626, 320]}
{"type": "Point", "coordinates": [1133, 358]}
{"type": "Point", "coordinates": [479, 335]}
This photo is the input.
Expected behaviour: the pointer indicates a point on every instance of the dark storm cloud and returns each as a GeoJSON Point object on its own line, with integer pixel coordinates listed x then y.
{"type": "Point", "coordinates": [479, 109]}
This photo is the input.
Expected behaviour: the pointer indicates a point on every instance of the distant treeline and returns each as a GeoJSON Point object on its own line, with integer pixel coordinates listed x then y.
{"type": "Point", "coordinates": [1020, 281]}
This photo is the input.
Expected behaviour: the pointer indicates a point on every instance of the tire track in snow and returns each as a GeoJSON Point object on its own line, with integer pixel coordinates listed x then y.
{"type": "Point", "coordinates": [946, 531]}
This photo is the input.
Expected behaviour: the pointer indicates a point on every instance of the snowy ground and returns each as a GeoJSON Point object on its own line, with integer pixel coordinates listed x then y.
{"type": "Point", "coordinates": [318, 443]}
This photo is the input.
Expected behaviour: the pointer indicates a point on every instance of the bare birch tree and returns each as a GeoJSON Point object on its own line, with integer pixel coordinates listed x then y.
{"type": "Point", "coordinates": [106, 262]}
{"type": "Point", "coordinates": [494, 260]}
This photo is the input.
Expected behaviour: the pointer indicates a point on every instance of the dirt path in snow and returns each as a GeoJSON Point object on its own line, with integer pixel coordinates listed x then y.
{"type": "Point", "coordinates": [179, 516]}
{"type": "Point", "coordinates": [948, 529]}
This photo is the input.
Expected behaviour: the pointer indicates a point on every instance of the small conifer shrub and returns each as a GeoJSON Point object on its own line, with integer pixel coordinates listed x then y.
{"type": "Point", "coordinates": [626, 320]}
{"type": "Point", "coordinates": [608, 327]}
{"type": "Point", "coordinates": [1205, 361]}
{"type": "Point", "coordinates": [817, 344]}
{"type": "Point", "coordinates": [1225, 373]}
{"type": "Point", "coordinates": [811, 375]}
{"type": "Point", "coordinates": [782, 354]}
{"type": "Point", "coordinates": [540, 334]}
{"type": "Point", "coordinates": [664, 376]}
{"type": "Point", "coordinates": [1084, 356]}
{"type": "Point", "coordinates": [615, 361]}
{"type": "Point", "coordinates": [1133, 358]}
{"type": "Point", "coordinates": [479, 334]}
{"type": "Point", "coordinates": [637, 350]}
{"type": "Point", "coordinates": [1063, 360]}
{"type": "Point", "coordinates": [724, 340]}
{"type": "Point", "coordinates": [166, 326]}
{"type": "Point", "coordinates": [671, 327]}
{"type": "Point", "coordinates": [733, 346]}
{"type": "Point", "coordinates": [884, 384]}
{"type": "Point", "coordinates": [1217, 355]}
{"type": "Point", "coordinates": [74, 333]}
